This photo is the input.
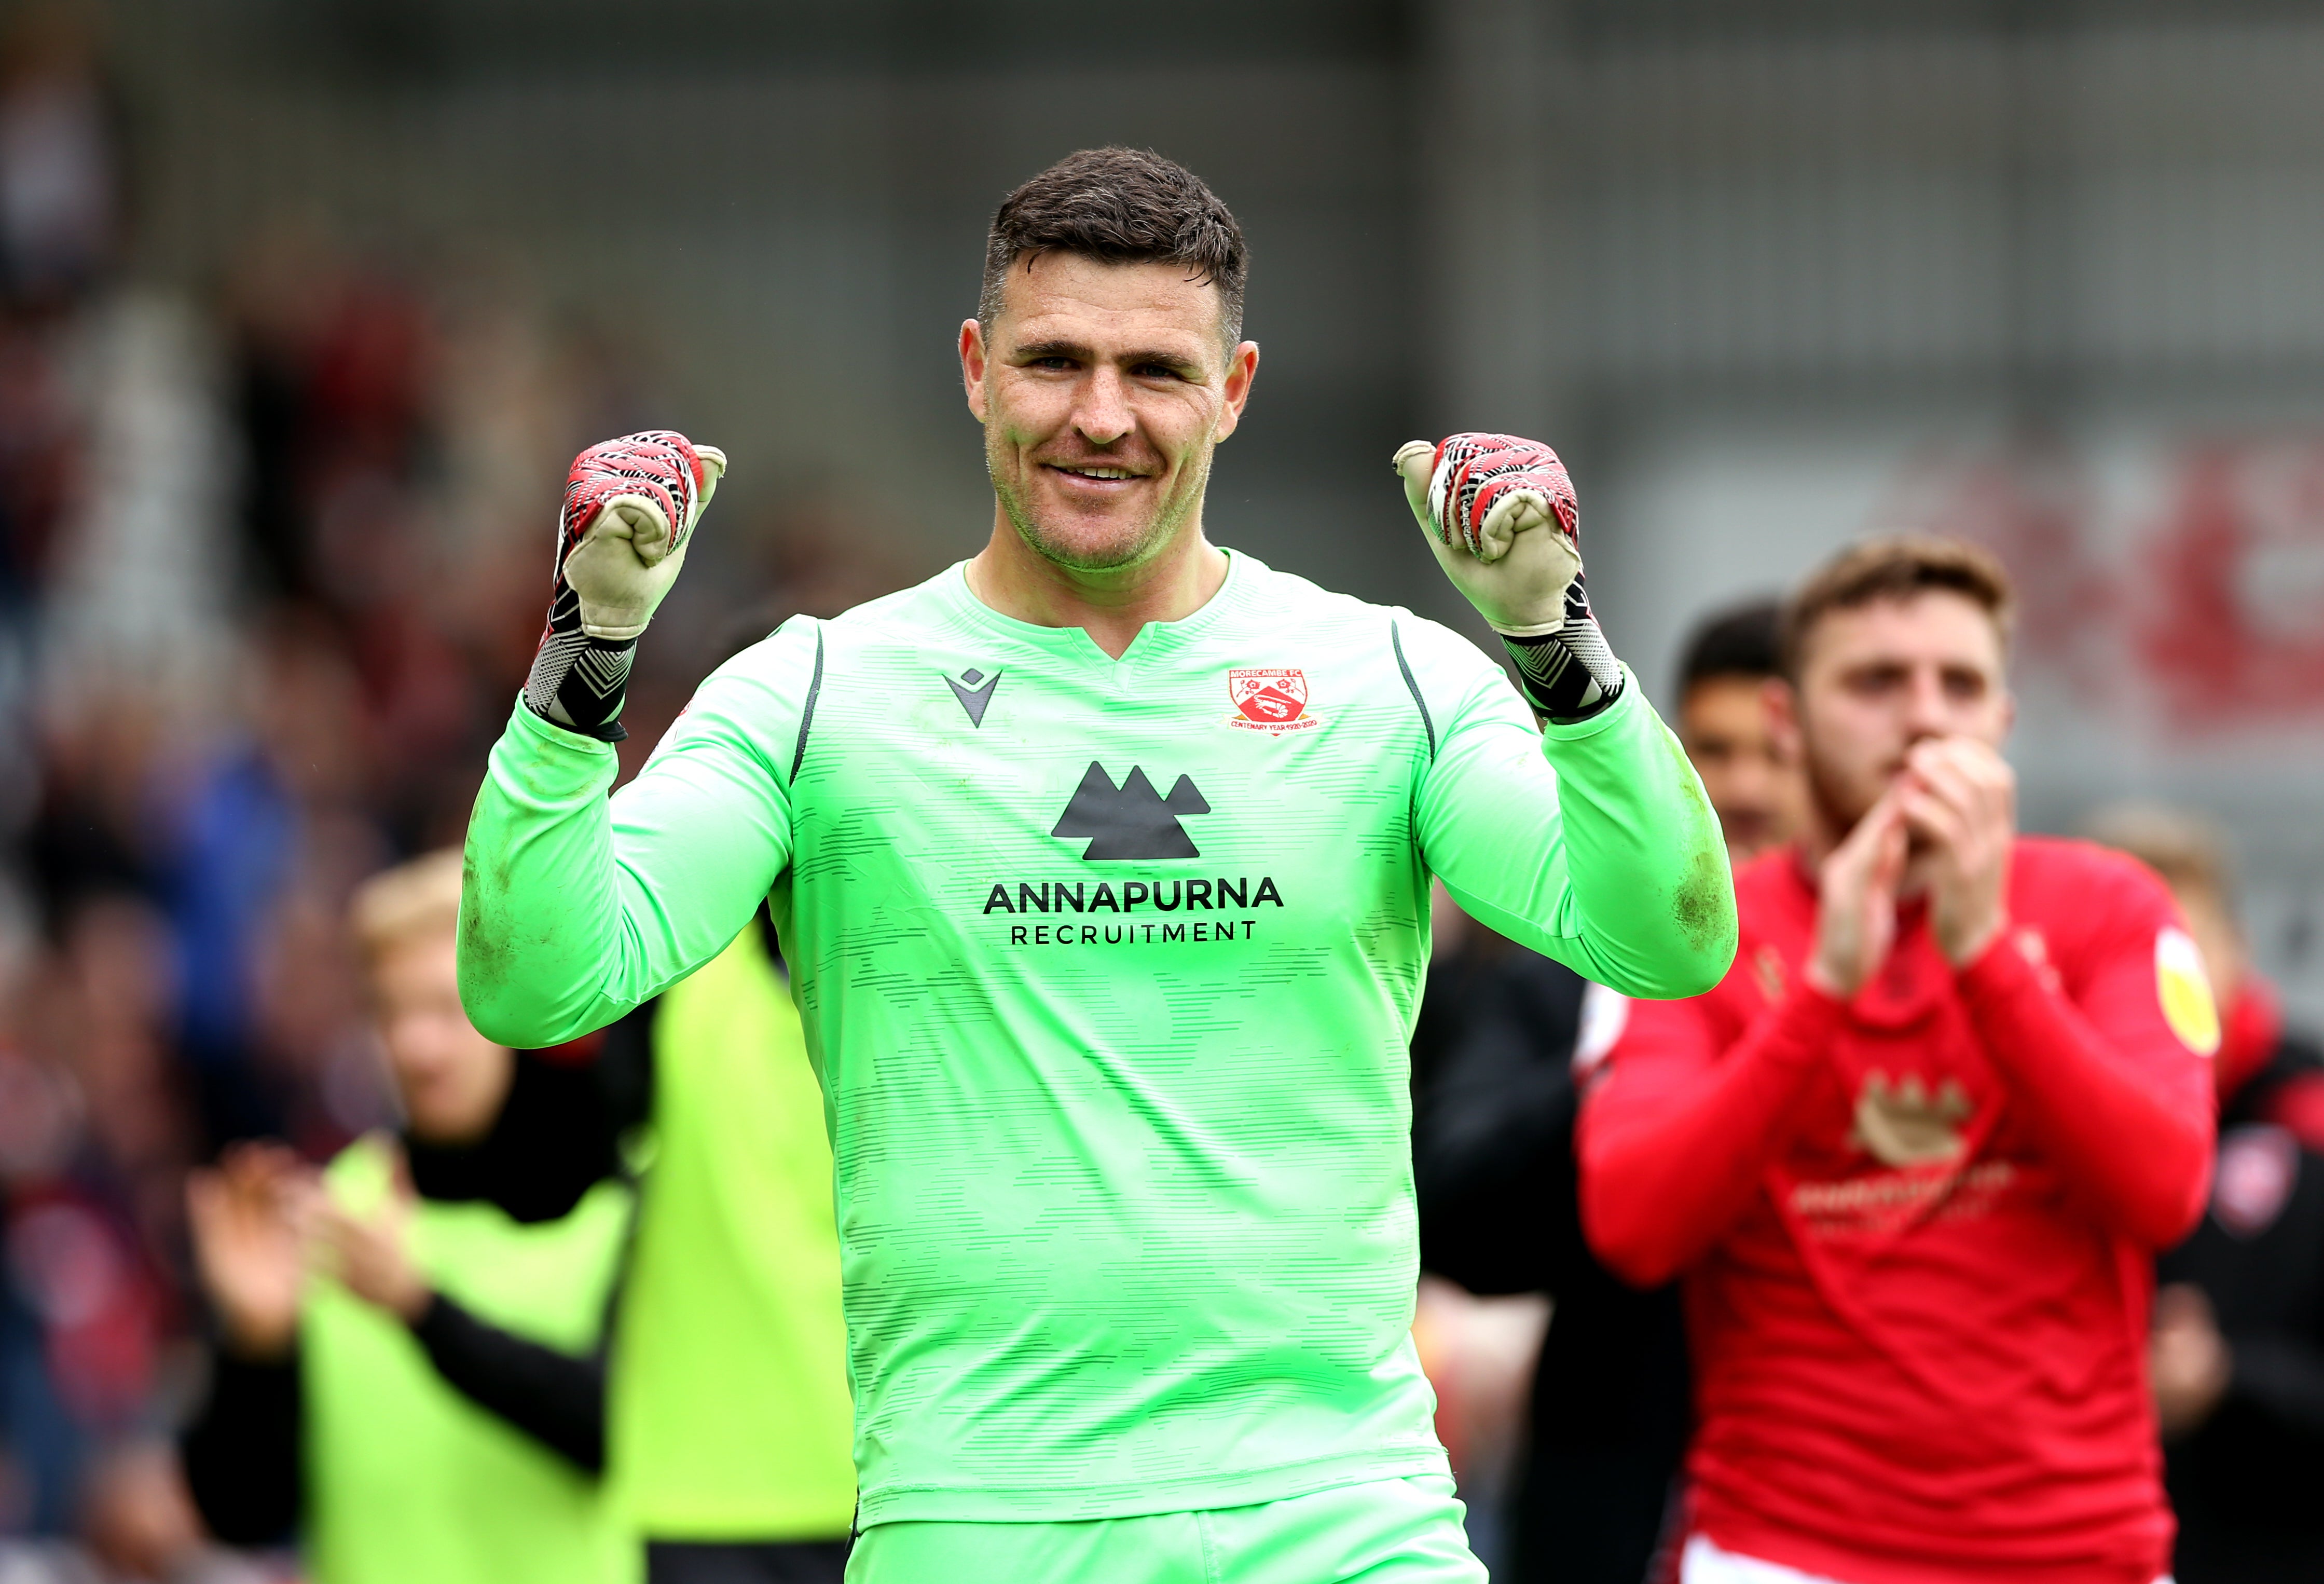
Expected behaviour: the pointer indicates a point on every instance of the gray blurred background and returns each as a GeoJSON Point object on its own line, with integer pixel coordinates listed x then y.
{"type": "Point", "coordinates": [304, 304]}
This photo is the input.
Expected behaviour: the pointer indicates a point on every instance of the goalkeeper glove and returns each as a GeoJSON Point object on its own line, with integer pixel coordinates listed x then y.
{"type": "Point", "coordinates": [631, 506]}
{"type": "Point", "coordinates": [1500, 512]}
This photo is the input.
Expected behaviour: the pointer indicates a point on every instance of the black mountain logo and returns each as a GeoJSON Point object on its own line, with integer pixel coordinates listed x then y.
{"type": "Point", "coordinates": [1131, 821]}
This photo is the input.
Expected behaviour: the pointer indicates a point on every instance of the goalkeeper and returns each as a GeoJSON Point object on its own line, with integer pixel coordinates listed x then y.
{"type": "Point", "coordinates": [1101, 861]}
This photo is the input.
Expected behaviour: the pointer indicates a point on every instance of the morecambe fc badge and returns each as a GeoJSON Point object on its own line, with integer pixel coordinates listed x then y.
{"type": "Point", "coordinates": [1270, 701]}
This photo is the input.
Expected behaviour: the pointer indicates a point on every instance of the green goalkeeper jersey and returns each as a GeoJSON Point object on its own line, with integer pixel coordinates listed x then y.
{"type": "Point", "coordinates": [1108, 969]}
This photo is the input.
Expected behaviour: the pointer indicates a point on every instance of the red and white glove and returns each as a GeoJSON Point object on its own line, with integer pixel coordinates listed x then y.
{"type": "Point", "coordinates": [1500, 514]}
{"type": "Point", "coordinates": [630, 509]}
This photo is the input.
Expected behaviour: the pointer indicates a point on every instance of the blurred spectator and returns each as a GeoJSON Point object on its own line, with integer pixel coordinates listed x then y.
{"type": "Point", "coordinates": [732, 1427]}
{"type": "Point", "coordinates": [1751, 775]}
{"type": "Point", "coordinates": [1912, 1154]}
{"type": "Point", "coordinates": [2237, 1355]}
{"type": "Point", "coordinates": [90, 1158]}
{"type": "Point", "coordinates": [470, 1265]}
{"type": "Point", "coordinates": [60, 173]}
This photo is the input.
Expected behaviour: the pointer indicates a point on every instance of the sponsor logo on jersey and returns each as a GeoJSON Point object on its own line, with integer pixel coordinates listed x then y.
{"type": "Point", "coordinates": [1132, 820]}
{"type": "Point", "coordinates": [1274, 701]}
{"type": "Point", "coordinates": [1199, 894]}
{"type": "Point", "coordinates": [1187, 907]}
{"type": "Point", "coordinates": [1902, 1123]}
{"type": "Point", "coordinates": [1885, 1202]}
{"type": "Point", "coordinates": [974, 690]}
{"type": "Point", "coordinates": [1130, 823]}
{"type": "Point", "coordinates": [2185, 991]}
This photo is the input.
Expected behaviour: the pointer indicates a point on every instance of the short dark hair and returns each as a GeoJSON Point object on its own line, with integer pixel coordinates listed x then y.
{"type": "Point", "coordinates": [1120, 205]}
{"type": "Point", "coordinates": [1896, 565]}
{"type": "Point", "coordinates": [1741, 641]}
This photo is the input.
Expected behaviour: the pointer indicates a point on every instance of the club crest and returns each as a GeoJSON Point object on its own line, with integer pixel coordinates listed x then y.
{"type": "Point", "coordinates": [1269, 701]}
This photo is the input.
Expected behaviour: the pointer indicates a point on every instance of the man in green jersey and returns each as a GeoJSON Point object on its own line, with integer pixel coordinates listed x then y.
{"type": "Point", "coordinates": [1102, 861]}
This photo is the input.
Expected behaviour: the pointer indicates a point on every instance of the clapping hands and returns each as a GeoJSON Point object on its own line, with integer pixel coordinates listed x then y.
{"type": "Point", "coordinates": [1944, 829]}
{"type": "Point", "coordinates": [249, 1216]}
{"type": "Point", "coordinates": [261, 1222]}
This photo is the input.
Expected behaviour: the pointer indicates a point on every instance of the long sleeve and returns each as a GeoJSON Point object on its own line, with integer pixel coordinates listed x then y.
{"type": "Point", "coordinates": [575, 909]}
{"type": "Point", "coordinates": [557, 1398]}
{"type": "Point", "coordinates": [242, 1452]}
{"type": "Point", "coordinates": [1674, 1139]}
{"type": "Point", "coordinates": [2117, 1098]}
{"type": "Point", "coordinates": [1591, 843]}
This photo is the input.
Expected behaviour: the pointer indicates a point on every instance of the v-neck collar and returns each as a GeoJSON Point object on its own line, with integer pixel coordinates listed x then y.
{"type": "Point", "coordinates": [1155, 640]}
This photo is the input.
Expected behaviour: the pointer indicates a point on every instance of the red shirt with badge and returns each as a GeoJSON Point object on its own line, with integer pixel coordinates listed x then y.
{"type": "Point", "coordinates": [1917, 1228]}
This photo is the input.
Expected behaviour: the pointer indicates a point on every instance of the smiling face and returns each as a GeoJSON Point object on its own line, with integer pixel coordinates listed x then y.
{"type": "Point", "coordinates": [1103, 389]}
{"type": "Point", "coordinates": [1876, 677]}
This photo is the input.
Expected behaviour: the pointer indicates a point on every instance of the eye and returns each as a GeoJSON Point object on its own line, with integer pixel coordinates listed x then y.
{"type": "Point", "coordinates": [1967, 686]}
{"type": "Point", "coordinates": [1155, 370]}
{"type": "Point", "coordinates": [1053, 363]}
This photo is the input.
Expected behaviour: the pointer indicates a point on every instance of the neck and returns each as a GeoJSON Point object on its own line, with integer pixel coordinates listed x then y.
{"type": "Point", "coordinates": [1112, 606]}
{"type": "Point", "coordinates": [1820, 833]}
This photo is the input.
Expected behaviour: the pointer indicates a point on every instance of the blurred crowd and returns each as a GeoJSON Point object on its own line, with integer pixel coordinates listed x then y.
{"type": "Point", "coordinates": [273, 555]}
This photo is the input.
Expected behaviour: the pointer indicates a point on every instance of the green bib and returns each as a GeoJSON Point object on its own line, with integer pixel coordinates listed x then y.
{"type": "Point", "coordinates": [730, 1413]}
{"type": "Point", "coordinates": [408, 1481]}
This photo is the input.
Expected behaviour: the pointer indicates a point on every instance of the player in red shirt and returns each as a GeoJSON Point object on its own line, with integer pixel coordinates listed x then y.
{"type": "Point", "coordinates": [1914, 1156]}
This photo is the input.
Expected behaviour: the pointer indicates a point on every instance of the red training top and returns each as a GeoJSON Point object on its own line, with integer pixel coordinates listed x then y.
{"type": "Point", "coordinates": [1916, 1227]}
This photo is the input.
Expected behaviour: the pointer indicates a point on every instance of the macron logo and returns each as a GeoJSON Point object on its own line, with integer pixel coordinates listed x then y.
{"type": "Point", "coordinates": [972, 697]}
{"type": "Point", "coordinates": [1132, 820]}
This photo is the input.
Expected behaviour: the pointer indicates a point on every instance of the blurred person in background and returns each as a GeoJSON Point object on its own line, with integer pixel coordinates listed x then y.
{"type": "Point", "coordinates": [93, 1143]}
{"type": "Point", "coordinates": [1498, 1064]}
{"type": "Point", "coordinates": [1914, 1156]}
{"type": "Point", "coordinates": [731, 1423]}
{"type": "Point", "coordinates": [432, 1405]}
{"type": "Point", "coordinates": [2237, 1353]}
{"type": "Point", "coordinates": [1749, 771]}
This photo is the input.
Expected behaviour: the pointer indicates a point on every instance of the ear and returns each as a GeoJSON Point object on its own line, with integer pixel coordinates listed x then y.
{"type": "Point", "coordinates": [1242, 367]}
{"type": "Point", "coordinates": [1782, 702]}
{"type": "Point", "coordinates": [973, 365]}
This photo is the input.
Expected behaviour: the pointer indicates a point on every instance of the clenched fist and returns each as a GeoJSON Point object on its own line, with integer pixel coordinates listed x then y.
{"type": "Point", "coordinates": [1500, 514]}
{"type": "Point", "coordinates": [630, 509]}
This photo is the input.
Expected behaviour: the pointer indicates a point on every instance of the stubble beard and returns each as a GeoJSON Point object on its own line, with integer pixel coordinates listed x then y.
{"type": "Point", "coordinates": [1838, 805]}
{"type": "Point", "coordinates": [1170, 515]}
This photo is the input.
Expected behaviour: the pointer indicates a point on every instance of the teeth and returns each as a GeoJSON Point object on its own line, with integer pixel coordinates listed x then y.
{"type": "Point", "coordinates": [1101, 472]}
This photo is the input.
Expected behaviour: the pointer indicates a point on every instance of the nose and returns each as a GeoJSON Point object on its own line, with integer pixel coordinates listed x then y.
{"type": "Point", "coordinates": [1926, 710]}
{"type": "Point", "coordinates": [1103, 414]}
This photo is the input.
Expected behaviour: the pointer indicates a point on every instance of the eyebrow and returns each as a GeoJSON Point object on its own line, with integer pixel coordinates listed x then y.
{"type": "Point", "coordinates": [1032, 350]}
